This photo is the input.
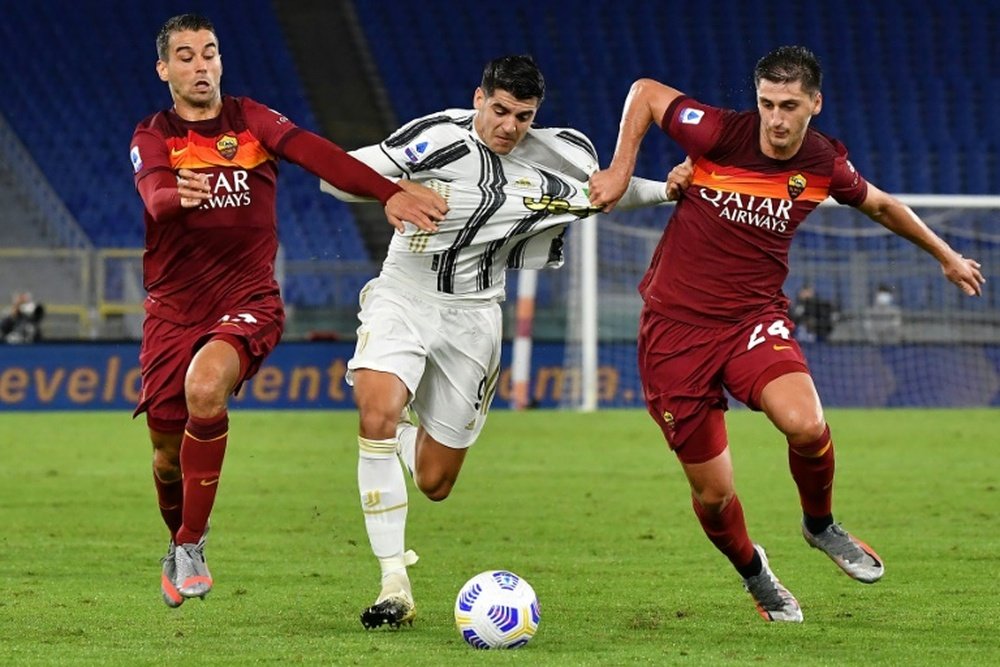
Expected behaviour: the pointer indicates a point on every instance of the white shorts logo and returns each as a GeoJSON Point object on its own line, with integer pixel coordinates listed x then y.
{"type": "Point", "coordinates": [691, 116]}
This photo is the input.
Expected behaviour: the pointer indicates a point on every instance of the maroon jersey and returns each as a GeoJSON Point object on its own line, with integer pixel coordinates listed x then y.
{"type": "Point", "coordinates": [201, 263]}
{"type": "Point", "coordinates": [724, 255]}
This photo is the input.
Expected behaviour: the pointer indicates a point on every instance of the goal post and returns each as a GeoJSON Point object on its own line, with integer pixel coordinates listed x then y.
{"type": "Point", "coordinates": [925, 343]}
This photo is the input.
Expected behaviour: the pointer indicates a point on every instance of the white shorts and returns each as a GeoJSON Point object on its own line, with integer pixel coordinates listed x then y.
{"type": "Point", "coordinates": [448, 357]}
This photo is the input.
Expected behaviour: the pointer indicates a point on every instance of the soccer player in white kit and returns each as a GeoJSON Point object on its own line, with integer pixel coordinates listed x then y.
{"type": "Point", "coordinates": [430, 328]}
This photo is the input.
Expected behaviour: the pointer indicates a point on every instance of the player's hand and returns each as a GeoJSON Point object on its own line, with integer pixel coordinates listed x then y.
{"type": "Point", "coordinates": [193, 188]}
{"type": "Point", "coordinates": [426, 194]}
{"type": "Point", "coordinates": [966, 273]}
{"type": "Point", "coordinates": [607, 187]}
{"type": "Point", "coordinates": [423, 208]}
{"type": "Point", "coordinates": [679, 179]}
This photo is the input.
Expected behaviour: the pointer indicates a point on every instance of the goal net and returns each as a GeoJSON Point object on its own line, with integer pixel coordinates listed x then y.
{"type": "Point", "coordinates": [884, 327]}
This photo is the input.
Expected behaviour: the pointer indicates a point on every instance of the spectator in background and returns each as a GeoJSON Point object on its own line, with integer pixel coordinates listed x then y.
{"type": "Point", "coordinates": [23, 324]}
{"type": "Point", "coordinates": [883, 321]}
{"type": "Point", "coordinates": [813, 316]}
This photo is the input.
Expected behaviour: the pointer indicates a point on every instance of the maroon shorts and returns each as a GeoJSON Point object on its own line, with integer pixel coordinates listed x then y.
{"type": "Point", "coordinates": [684, 369]}
{"type": "Point", "coordinates": [168, 348]}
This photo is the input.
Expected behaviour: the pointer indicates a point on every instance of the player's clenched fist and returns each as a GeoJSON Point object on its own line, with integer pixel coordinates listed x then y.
{"type": "Point", "coordinates": [607, 187]}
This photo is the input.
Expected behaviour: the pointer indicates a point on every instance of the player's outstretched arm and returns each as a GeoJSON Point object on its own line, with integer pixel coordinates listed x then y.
{"type": "Point", "coordinates": [642, 192]}
{"type": "Point", "coordinates": [646, 103]}
{"type": "Point", "coordinates": [331, 163]}
{"type": "Point", "coordinates": [374, 157]}
{"type": "Point", "coordinates": [900, 219]}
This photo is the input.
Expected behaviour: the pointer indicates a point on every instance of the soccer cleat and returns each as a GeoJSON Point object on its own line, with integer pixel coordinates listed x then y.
{"type": "Point", "coordinates": [852, 555]}
{"type": "Point", "coordinates": [171, 597]}
{"type": "Point", "coordinates": [774, 602]}
{"type": "Point", "coordinates": [394, 605]}
{"type": "Point", "coordinates": [192, 576]}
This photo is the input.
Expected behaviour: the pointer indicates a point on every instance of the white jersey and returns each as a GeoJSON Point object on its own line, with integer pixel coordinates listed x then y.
{"type": "Point", "coordinates": [505, 211]}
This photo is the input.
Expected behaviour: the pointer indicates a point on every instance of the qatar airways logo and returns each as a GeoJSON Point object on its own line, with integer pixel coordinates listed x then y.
{"type": "Point", "coordinates": [764, 212]}
{"type": "Point", "coordinates": [229, 190]}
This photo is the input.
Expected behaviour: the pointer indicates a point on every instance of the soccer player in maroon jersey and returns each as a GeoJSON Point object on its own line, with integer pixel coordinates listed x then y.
{"type": "Point", "coordinates": [714, 315]}
{"type": "Point", "coordinates": [206, 170]}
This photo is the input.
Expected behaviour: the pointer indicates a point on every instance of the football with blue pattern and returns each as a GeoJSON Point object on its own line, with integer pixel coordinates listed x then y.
{"type": "Point", "coordinates": [497, 609]}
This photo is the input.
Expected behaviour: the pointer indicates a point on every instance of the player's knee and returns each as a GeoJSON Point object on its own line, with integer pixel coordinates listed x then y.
{"type": "Point", "coordinates": [805, 428]}
{"type": "Point", "coordinates": [800, 423]}
{"type": "Point", "coordinates": [377, 424]}
{"type": "Point", "coordinates": [205, 396]}
{"type": "Point", "coordinates": [166, 465]}
{"type": "Point", "coordinates": [714, 500]}
{"type": "Point", "coordinates": [435, 488]}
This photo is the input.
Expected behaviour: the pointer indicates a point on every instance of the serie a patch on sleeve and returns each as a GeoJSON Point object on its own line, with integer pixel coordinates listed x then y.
{"type": "Point", "coordinates": [136, 159]}
{"type": "Point", "coordinates": [691, 116]}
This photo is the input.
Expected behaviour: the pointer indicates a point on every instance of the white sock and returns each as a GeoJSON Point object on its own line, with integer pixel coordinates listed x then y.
{"type": "Point", "coordinates": [383, 500]}
{"type": "Point", "coordinates": [406, 434]}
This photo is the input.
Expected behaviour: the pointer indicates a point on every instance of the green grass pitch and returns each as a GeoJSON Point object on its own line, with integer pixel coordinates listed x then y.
{"type": "Point", "coordinates": [590, 508]}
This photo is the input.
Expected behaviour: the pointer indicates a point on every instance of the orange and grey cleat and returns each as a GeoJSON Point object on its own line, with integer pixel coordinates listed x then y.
{"type": "Point", "coordinates": [168, 588]}
{"type": "Point", "coordinates": [774, 602]}
{"type": "Point", "coordinates": [851, 555]}
{"type": "Point", "coordinates": [192, 577]}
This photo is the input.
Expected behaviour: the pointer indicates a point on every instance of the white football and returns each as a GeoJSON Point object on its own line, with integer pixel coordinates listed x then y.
{"type": "Point", "coordinates": [497, 609]}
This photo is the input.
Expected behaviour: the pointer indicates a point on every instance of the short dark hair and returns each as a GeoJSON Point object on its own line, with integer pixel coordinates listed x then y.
{"type": "Point", "coordinates": [518, 75]}
{"type": "Point", "coordinates": [787, 64]}
{"type": "Point", "coordinates": [179, 23]}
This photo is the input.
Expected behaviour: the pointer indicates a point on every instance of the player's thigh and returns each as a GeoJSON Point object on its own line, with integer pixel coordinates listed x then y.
{"type": "Point", "coordinates": [390, 338]}
{"type": "Point", "coordinates": [253, 330]}
{"type": "Point", "coordinates": [166, 352]}
{"type": "Point", "coordinates": [463, 368]}
{"type": "Point", "coordinates": [680, 369]}
{"type": "Point", "coordinates": [792, 404]}
{"type": "Point", "coordinates": [761, 350]}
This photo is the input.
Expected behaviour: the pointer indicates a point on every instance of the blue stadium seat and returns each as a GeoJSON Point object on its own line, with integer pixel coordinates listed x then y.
{"type": "Point", "coordinates": [911, 87]}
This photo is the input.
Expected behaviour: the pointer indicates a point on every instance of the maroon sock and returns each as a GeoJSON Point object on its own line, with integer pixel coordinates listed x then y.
{"type": "Point", "coordinates": [202, 451]}
{"type": "Point", "coordinates": [812, 467]}
{"type": "Point", "coordinates": [170, 496]}
{"type": "Point", "coordinates": [728, 531]}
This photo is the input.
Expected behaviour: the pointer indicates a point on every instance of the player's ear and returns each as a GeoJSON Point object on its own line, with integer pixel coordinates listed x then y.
{"type": "Point", "coordinates": [478, 98]}
{"type": "Point", "coordinates": [818, 102]}
{"type": "Point", "coordinates": [161, 70]}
